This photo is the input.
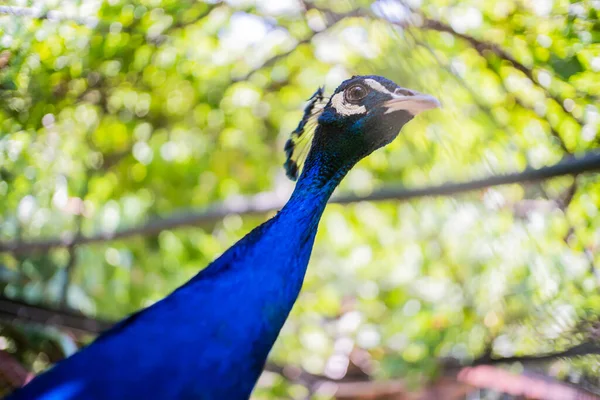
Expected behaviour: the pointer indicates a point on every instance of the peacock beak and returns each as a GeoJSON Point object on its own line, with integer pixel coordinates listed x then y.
{"type": "Point", "coordinates": [412, 102]}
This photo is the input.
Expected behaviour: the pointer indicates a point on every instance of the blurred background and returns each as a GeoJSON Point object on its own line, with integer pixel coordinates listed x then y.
{"type": "Point", "coordinates": [140, 139]}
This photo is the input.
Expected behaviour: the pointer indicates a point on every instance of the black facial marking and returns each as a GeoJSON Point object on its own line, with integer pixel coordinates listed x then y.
{"type": "Point", "coordinates": [289, 148]}
{"type": "Point", "coordinates": [291, 169]}
{"type": "Point", "coordinates": [312, 101]}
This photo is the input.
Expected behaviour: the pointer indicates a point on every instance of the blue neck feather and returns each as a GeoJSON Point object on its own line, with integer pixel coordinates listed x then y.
{"type": "Point", "coordinates": [210, 338]}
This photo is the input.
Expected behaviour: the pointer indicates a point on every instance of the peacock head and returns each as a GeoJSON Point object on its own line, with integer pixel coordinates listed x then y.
{"type": "Point", "coordinates": [363, 114]}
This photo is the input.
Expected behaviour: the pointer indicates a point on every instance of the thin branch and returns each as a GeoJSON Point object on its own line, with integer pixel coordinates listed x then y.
{"type": "Point", "coordinates": [68, 272]}
{"type": "Point", "coordinates": [110, 160]}
{"type": "Point", "coordinates": [295, 374]}
{"type": "Point", "coordinates": [265, 203]}
{"type": "Point", "coordinates": [269, 62]}
{"type": "Point", "coordinates": [332, 16]}
{"type": "Point", "coordinates": [72, 262]}
{"type": "Point", "coordinates": [522, 104]}
{"type": "Point", "coordinates": [72, 321]}
{"type": "Point", "coordinates": [553, 131]}
{"type": "Point", "coordinates": [332, 19]}
{"type": "Point", "coordinates": [528, 384]}
{"type": "Point", "coordinates": [484, 48]}
{"type": "Point", "coordinates": [72, 249]}
{"type": "Point", "coordinates": [583, 349]}
{"type": "Point", "coordinates": [478, 45]}
{"type": "Point", "coordinates": [568, 166]}
{"type": "Point", "coordinates": [487, 111]}
{"type": "Point", "coordinates": [390, 389]}
{"type": "Point", "coordinates": [564, 205]}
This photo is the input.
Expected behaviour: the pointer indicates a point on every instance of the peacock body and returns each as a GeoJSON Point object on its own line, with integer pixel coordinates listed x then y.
{"type": "Point", "coordinates": [210, 338]}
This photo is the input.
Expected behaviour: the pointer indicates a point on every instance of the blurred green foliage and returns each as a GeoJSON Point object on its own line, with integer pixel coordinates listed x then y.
{"type": "Point", "coordinates": [157, 106]}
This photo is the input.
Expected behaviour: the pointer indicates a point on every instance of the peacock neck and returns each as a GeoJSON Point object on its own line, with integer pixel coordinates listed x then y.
{"type": "Point", "coordinates": [321, 175]}
{"type": "Point", "coordinates": [289, 237]}
{"type": "Point", "coordinates": [313, 190]}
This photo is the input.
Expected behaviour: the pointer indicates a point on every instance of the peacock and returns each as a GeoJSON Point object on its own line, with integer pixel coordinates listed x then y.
{"type": "Point", "coordinates": [210, 338]}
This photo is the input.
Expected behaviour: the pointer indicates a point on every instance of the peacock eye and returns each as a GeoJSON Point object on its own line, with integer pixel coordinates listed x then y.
{"type": "Point", "coordinates": [355, 93]}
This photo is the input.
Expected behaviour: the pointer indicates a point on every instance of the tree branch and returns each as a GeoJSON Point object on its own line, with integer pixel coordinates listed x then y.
{"type": "Point", "coordinates": [478, 45]}
{"type": "Point", "coordinates": [68, 272]}
{"type": "Point", "coordinates": [487, 111]}
{"type": "Point", "coordinates": [332, 19]}
{"type": "Point", "coordinates": [273, 59]}
{"type": "Point", "coordinates": [69, 320]}
{"type": "Point", "coordinates": [483, 47]}
{"type": "Point", "coordinates": [80, 325]}
{"type": "Point", "coordinates": [583, 349]}
{"type": "Point", "coordinates": [295, 374]}
{"type": "Point", "coordinates": [264, 203]}
{"type": "Point", "coordinates": [528, 385]}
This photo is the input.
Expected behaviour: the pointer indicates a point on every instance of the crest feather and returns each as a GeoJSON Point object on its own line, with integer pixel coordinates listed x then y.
{"type": "Point", "coordinates": [298, 145]}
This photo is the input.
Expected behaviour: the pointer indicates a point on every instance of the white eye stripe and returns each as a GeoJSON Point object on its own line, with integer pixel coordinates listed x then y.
{"type": "Point", "coordinates": [344, 108]}
{"type": "Point", "coordinates": [373, 84]}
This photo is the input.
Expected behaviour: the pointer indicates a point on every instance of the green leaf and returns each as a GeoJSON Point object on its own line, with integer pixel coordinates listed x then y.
{"type": "Point", "coordinates": [566, 67]}
{"type": "Point", "coordinates": [8, 84]}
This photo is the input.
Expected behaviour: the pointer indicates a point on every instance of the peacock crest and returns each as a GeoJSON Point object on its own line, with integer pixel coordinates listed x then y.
{"type": "Point", "coordinates": [298, 145]}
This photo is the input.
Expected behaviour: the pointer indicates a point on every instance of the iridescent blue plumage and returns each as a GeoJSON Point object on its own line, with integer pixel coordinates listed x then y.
{"type": "Point", "coordinates": [210, 338]}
